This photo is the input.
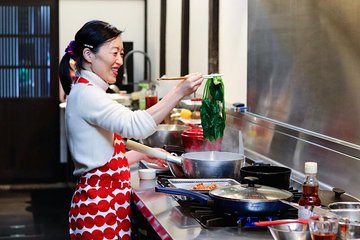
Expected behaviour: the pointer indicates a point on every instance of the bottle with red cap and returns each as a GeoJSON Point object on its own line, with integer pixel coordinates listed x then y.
{"type": "Point", "coordinates": [310, 192]}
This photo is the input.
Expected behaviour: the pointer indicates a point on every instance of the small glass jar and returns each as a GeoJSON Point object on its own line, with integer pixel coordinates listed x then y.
{"type": "Point", "coordinates": [151, 97]}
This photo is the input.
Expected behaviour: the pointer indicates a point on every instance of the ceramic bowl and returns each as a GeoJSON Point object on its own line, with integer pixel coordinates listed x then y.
{"type": "Point", "coordinates": [147, 174]}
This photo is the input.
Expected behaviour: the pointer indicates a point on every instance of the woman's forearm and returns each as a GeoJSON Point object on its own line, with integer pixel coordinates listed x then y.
{"type": "Point", "coordinates": [160, 110]}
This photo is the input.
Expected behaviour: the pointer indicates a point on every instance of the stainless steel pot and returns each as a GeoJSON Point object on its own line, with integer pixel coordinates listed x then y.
{"type": "Point", "coordinates": [208, 164]}
{"type": "Point", "coordinates": [349, 210]}
{"type": "Point", "coordinates": [352, 231]}
{"type": "Point", "coordinates": [350, 219]}
{"type": "Point", "coordinates": [166, 134]}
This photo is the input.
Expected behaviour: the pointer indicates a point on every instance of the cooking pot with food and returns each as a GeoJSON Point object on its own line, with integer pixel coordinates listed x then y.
{"type": "Point", "coordinates": [206, 164]}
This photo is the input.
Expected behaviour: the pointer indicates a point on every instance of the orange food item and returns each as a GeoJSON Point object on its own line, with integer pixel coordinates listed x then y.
{"type": "Point", "coordinates": [195, 115]}
{"type": "Point", "coordinates": [202, 186]}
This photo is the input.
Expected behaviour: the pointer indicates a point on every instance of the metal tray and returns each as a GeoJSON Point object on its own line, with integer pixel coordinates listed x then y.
{"type": "Point", "coordinates": [187, 183]}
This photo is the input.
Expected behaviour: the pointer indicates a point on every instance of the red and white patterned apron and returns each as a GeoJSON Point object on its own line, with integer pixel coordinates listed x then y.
{"type": "Point", "coordinates": [100, 207]}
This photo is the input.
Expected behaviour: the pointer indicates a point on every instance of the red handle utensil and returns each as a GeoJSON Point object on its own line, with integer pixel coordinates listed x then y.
{"type": "Point", "coordinates": [277, 222]}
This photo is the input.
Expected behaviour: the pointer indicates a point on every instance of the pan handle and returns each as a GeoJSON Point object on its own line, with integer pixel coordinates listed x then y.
{"type": "Point", "coordinates": [202, 198]}
{"type": "Point", "coordinates": [278, 222]}
{"type": "Point", "coordinates": [130, 144]}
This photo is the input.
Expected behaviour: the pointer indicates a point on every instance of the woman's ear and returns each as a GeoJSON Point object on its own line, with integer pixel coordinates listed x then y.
{"type": "Point", "coordinates": [87, 54]}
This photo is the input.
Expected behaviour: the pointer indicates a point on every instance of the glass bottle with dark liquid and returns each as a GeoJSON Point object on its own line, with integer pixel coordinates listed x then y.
{"type": "Point", "coordinates": [310, 191]}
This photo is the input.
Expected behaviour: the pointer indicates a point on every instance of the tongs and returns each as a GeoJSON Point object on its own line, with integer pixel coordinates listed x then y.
{"type": "Point", "coordinates": [184, 77]}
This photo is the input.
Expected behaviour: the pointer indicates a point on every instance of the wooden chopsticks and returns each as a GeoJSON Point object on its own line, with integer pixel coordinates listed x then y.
{"type": "Point", "coordinates": [183, 77]}
{"type": "Point", "coordinates": [172, 78]}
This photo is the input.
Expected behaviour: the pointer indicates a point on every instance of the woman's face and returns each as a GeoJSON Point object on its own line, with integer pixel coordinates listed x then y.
{"type": "Point", "coordinates": [107, 61]}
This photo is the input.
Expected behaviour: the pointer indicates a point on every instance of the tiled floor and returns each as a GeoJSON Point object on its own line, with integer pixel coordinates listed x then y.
{"type": "Point", "coordinates": [37, 213]}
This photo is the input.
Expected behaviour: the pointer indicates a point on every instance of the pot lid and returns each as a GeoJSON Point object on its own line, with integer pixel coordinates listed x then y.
{"type": "Point", "coordinates": [250, 192]}
{"type": "Point", "coordinates": [336, 195]}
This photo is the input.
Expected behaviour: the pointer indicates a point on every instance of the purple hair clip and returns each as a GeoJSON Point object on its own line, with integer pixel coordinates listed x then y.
{"type": "Point", "coordinates": [70, 48]}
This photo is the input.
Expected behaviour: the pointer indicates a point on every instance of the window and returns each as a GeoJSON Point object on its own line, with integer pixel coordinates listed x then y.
{"type": "Point", "coordinates": [25, 49]}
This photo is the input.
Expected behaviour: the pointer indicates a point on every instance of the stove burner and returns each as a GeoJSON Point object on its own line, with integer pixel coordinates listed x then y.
{"type": "Point", "coordinates": [209, 218]}
{"type": "Point", "coordinates": [250, 221]}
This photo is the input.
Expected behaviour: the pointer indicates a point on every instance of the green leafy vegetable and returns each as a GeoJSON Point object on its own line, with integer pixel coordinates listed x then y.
{"type": "Point", "coordinates": [212, 110]}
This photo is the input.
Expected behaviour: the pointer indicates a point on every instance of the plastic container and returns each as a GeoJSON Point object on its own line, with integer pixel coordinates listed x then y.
{"type": "Point", "coordinates": [147, 174]}
{"type": "Point", "coordinates": [142, 94]}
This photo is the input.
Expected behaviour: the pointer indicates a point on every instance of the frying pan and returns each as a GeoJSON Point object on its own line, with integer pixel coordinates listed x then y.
{"type": "Point", "coordinates": [244, 200]}
{"type": "Point", "coordinates": [207, 164]}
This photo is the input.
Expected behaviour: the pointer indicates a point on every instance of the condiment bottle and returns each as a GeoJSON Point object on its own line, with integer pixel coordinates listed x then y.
{"type": "Point", "coordinates": [310, 192]}
{"type": "Point", "coordinates": [144, 87]}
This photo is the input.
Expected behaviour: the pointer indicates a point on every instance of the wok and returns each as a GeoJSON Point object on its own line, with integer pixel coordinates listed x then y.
{"type": "Point", "coordinates": [207, 164]}
{"type": "Point", "coordinates": [245, 200]}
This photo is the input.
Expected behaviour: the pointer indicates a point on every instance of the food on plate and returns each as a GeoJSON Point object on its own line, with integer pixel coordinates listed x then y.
{"type": "Point", "coordinates": [196, 99]}
{"type": "Point", "coordinates": [195, 115]}
{"type": "Point", "coordinates": [185, 114]}
{"type": "Point", "coordinates": [212, 109]}
{"type": "Point", "coordinates": [202, 186]}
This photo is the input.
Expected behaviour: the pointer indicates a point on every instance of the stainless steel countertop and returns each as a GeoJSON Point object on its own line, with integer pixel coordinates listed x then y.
{"type": "Point", "coordinates": [166, 216]}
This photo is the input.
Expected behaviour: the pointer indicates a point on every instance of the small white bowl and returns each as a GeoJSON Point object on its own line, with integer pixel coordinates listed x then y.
{"type": "Point", "coordinates": [147, 174]}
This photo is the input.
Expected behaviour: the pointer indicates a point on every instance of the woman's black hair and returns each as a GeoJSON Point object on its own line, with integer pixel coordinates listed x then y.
{"type": "Point", "coordinates": [92, 35]}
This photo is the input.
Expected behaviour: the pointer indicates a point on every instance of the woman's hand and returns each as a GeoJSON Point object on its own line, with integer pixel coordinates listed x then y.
{"type": "Point", "coordinates": [190, 84]}
{"type": "Point", "coordinates": [134, 157]}
{"type": "Point", "coordinates": [157, 161]}
{"type": "Point", "coordinates": [185, 87]}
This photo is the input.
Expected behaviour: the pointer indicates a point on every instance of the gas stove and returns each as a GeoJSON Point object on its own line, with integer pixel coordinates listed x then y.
{"type": "Point", "coordinates": [209, 218]}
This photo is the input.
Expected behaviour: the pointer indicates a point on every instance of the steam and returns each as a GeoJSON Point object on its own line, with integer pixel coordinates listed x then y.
{"type": "Point", "coordinates": [232, 141]}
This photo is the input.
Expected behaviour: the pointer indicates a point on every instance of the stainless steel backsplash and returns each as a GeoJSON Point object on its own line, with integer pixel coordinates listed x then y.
{"type": "Point", "coordinates": [304, 64]}
{"type": "Point", "coordinates": [303, 87]}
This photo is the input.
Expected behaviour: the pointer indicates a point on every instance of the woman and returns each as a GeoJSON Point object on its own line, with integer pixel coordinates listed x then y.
{"type": "Point", "coordinates": [95, 125]}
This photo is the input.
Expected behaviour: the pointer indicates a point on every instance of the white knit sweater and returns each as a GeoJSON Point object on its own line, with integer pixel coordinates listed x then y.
{"type": "Point", "coordinates": [91, 118]}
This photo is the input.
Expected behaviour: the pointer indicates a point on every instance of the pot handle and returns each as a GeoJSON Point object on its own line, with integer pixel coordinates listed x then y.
{"type": "Point", "coordinates": [202, 198]}
{"type": "Point", "coordinates": [278, 222]}
{"type": "Point", "coordinates": [130, 144]}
